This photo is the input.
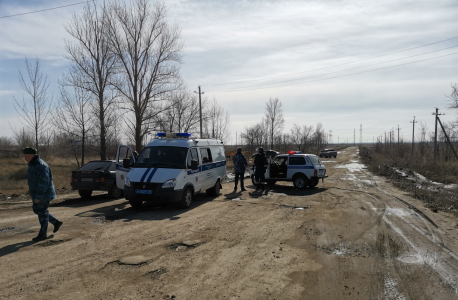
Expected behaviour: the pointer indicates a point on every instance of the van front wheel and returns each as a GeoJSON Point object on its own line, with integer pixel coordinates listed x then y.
{"type": "Point", "coordinates": [186, 199]}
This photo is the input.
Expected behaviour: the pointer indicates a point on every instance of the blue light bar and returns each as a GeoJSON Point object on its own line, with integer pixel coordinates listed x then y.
{"type": "Point", "coordinates": [183, 135]}
{"type": "Point", "coordinates": [160, 134]}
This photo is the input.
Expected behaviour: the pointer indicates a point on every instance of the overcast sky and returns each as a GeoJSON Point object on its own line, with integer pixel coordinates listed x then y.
{"type": "Point", "coordinates": [244, 52]}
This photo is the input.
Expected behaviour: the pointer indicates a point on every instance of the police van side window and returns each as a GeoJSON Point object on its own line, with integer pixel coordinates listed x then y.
{"type": "Point", "coordinates": [206, 156]}
{"type": "Point", "coordinates": [192, 155]}
{"type": "Point", "coordinates": [297, 161]}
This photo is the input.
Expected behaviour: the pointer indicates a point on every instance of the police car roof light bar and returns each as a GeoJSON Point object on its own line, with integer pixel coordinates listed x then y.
{"type": "Point", "coordinates": [174, 135]}
{"type": "Point", "coordinates": [294, 152]}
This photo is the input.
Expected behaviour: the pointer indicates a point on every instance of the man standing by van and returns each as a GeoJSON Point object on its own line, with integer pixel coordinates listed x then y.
{"type": "Point", "coordinates": [240, 164]}
{"type": "Point", "coordinates": [41, 189]}
{"type": "Point", "coordinates": [260, 162]}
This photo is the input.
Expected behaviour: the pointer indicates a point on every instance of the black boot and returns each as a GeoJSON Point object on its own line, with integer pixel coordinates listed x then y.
{"type": "Point", "coordinates": [57, 226]}
{"type": "Point", "coordinates": [39, 238]}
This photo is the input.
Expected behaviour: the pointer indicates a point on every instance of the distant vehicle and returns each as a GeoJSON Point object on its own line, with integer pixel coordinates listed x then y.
{"type": "Point", "coordinates": [171, 170]}
{"type": "Point", "coordinates": [268, 153]}
{"type": "Point", "coordinates": [328, 153]}
{"type": "Point", "coordinates": [304, 170]}
{"type": "Point", "coordinates": [97, 175]}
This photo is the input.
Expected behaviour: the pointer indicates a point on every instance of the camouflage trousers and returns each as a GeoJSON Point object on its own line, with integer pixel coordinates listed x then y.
{"type": "Point", "coordinates": [43, 217]}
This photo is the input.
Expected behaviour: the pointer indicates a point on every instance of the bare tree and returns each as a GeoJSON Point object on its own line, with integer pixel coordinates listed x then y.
{"type": "Point", "coordinates": [148, 52]}
{"type": "Point", "coordinates": [35, 111]}
{"type": "Point", "coordinates": [73, 116]}
{"type": "Point", "coordinates": [274, 118]}
{"type": "Point", "coordinates": [319, 137]}
{"type": "Point", "coordinates": [182, 114]}
{"type": "Point", "coordinates": [93, 64]}
{"type": "Point", "coordinates": [217, 121]}
{"type": "Point", "coordinates": [302, 137]}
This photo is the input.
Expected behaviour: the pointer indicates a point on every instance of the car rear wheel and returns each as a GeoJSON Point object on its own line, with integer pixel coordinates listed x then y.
{"type": "Point", "coordinates": [115, 192]}
{"type": "Point", "coordinates": [314, 182]}
{"type": "Point", "coordinates": [85, 194]}
{"type": "Point", "coordinates": [300, 182]}
{"type": "Point", "coordinates": [335, 156]}
{"type": "Point", "coordinates": [214, 191]}
{"type": "Point", "coordinates": [136, 204]}
{"type": "Point", "coordinates": [186, 199]}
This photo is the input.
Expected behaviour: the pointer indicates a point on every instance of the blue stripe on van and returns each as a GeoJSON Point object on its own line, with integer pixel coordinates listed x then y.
{"type": "Point", "coordinates": [301, 167]}
{"type": "Point", "coordinates": [151, 175]}
{"type": "Point", "coordinates": [144, 174]}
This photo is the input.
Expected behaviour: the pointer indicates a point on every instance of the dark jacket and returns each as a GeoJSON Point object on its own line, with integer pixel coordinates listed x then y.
{"type": "Point", "coordinates": [260, 162]}
{"type": "Point", "coordinates": [240, 162]}
{"type": "Point", "coordinates": [39, 178]}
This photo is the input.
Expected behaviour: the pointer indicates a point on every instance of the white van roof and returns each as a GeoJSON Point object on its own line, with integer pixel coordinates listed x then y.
{"type": "Point", "coordinates": [187, 143]}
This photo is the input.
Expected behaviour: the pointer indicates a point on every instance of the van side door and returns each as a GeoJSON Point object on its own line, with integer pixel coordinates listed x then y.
{"type": "Point", "coordinates": [194, 177]}
{"type": "Point", "coordinates": [207, 168]}
{"type": "Point", "coordinates": [121, 172]}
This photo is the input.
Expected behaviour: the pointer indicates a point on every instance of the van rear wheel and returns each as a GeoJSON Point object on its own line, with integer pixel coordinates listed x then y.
{"type": "Point", "coordinates": [300, 182]}
{"type": "Point", "coordinates": [214, 191]}
{"type": "Point", "coordinates": [85, 194]}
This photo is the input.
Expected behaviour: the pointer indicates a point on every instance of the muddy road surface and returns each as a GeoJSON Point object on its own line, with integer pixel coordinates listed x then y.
{"type": "Point", "coordinates": [353, 237]}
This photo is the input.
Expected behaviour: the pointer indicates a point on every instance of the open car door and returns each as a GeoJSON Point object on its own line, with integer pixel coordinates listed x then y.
{"type": "Point", "coordinates": [121, 172]}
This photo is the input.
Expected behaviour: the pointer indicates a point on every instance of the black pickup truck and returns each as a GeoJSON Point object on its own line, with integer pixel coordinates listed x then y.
{"type": "Point", "coordinates": [97, 175]}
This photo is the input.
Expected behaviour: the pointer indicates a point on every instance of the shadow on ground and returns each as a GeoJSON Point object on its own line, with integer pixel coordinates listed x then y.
{"type": "Point", "coordinates": [15, 247]}
{"type": "Point", "coordinates": [148, 212]}
{"type": "Point", "coordinates": [77, 201]}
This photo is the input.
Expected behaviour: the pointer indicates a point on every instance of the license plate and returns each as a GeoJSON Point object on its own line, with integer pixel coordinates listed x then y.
{"type": "Point", "coordinates": [321, 172]}
{"type": "Point", "coordinates": [87, 179]}
{"type": "Point", "coordinates": [144, 192]}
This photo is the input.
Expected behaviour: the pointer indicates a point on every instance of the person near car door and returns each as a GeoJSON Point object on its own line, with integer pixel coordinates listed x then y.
{"type": "Point", "coordinates": [260, 163]}
{"type": "Point", "coordinates": [240, 164]}
{"type": "Point", "coordinates": [41, 190]}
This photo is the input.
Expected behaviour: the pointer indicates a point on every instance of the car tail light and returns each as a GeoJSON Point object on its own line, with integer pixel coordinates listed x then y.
{"type": "Point", "coordinates": [99, 179]}
{"type": "Point", "coordinates": [74, 179]}
{"type": "Point", "coordinates": [316, 172]}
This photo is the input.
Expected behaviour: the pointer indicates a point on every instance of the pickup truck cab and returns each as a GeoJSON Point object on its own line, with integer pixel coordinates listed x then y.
{"type": "Point", "coordinates": [304, 170]}
{"type": "Point", "coordinates": [328, 153]}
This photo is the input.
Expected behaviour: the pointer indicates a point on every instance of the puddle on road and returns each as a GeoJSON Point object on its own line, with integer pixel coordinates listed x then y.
{"type": "Point", "coordinates": [410, 259]}
{"type": "Point", "coordinates": [155, 274]}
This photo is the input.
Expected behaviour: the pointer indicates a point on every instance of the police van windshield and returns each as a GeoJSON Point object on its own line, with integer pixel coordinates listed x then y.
{"type": "Point", "coordinates": [163, 157]}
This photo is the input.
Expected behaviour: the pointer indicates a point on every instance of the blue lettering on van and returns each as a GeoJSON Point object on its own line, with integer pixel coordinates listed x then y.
{"type": "Point", "coordinates": [207, 167]}
{"type": "Point", "coordinates": [300, 167]}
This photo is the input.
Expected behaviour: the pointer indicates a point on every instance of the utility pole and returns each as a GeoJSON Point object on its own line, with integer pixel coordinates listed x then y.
{"type": "Point", "coordinates": [200, 110]}
{"type": "Point", "coordinates": [413, 132]}
{"type": "Point", "coordinates": [435, 134]}
{"type": "Point", "coordinates": [398, 132]}
{"type": "Point", "coordinates": [360, 134]}
{"type": "Point", "coordinates": [354, 136]}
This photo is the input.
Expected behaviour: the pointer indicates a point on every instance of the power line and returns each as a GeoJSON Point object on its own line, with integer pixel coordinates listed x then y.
{"type": "Point", "coordinates": [388, 61]}
{"type": "Point", "coordinates": [52, 8]}
{"type": "Point", "coordinates": [352, 62]}
{"type": "Point", "coordinates": [346, 75]}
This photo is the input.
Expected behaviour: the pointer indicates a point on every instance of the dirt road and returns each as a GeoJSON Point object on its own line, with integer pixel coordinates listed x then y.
{"type": "Point", "coordinates": [353, 237]}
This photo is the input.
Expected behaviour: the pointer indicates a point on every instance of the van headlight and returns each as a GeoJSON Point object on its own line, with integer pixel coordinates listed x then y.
{"type": "Point", "coordinates": [127, 181]}
{"type": "Point", "coordinates": [170, 183]}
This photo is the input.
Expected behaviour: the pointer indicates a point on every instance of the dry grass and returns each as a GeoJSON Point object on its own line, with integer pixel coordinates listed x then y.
{"type": "Point", "coordinates": [13, 178]}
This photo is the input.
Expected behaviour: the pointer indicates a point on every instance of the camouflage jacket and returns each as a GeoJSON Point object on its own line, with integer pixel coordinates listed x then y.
{"type": "Point", "coordinates": [240, 163]}
{"type": "Point", "coordinates": [40, 182]}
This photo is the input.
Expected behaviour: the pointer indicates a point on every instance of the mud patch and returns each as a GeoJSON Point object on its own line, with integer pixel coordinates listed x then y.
{"type": "Point", "coordinates": [6, 229]}
{"type": "Point", "coordinates": [294, 207]}
{"type": "Point", "coordinates": [52, 243]}
{"type": "Point", "coordinates": [101, 220]}
{"type": "Point", "coordinates": [183, 246]}
{"type": "Point", "coordinates": [346, 250]}
{"type": "Point", "coordinates": [155, 274]}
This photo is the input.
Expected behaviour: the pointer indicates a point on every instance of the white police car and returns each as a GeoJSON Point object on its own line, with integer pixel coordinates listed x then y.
{"type": "Point", "coordinates": [302, 169]}
{"type": "Point", "coordinates": [171, 169]}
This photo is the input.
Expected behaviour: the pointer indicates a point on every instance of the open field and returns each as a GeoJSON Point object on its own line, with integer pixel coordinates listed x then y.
{"type": "Point", "coordinates": [354, 237]}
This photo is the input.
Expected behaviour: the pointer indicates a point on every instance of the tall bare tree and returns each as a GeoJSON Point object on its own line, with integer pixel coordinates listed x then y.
{"type": "Point", "coordinates": [217, 121]}
{"type": "Point", "coordinates": [73, 116]}
{"type": "Point", "coordinates": [148, 50]}
{"type": "Point", "coordinates": [302, 137]}
{"type": "Point", "coordinates": [93, 64]}
{"type": "Point", "coordinates": [274, 118]}
{"type": "Point", "coordinates": [34, 111]}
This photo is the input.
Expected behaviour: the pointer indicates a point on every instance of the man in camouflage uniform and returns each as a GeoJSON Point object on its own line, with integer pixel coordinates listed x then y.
{"type": "Point", "coordinates": [260, 164]}
{"type": "Point", "coordinates": [240, 164]}
{"type": "Point", "coordinates": [41, 190]}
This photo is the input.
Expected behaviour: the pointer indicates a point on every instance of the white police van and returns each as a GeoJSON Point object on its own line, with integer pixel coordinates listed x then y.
{"type": "Point", "coordinates": [302, 169]}
{"type": "Point", "coordinates": [171, 169]}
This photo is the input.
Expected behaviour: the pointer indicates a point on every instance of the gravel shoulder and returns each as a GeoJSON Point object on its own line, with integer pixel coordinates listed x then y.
{"type": "Point", "coordinates": [355, 236]}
